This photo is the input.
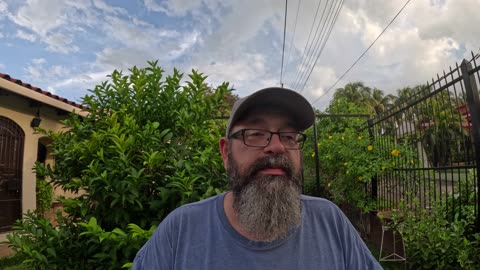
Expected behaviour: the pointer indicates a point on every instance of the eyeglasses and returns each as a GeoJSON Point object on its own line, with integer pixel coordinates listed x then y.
{"type": "Point", "coordinates": [262, 138]}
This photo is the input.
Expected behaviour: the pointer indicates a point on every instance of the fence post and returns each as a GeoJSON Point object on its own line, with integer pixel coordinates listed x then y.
{"type": "Point", "coordinates": [374, 183]}
{"type": "Point", "coordinates": [317, 160]}
{"type": "Point", "coordinates": [473, 101]}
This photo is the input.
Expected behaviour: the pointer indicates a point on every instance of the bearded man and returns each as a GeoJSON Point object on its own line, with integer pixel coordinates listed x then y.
{"type": "Point", "coordinates": [264, 222]}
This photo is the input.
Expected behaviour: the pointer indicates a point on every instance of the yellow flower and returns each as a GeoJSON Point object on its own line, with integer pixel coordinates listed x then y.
{"type": "Point", "coordinates": [313, 154]}
{"type": "Point", "coordinates": [360, 137]}
{"type": "Point", "coordinates": [395, 152]}
{"type": "Point", "coordinates": [360, 178]}
{"type": "Point", "coordinates": [329, 184]}
{"type": "Point", "coordinates": [330, 137]}
{"type": "Point", "coordinates": [370, 148]}
{"type": "Point", "coordinates": [347, 171]}
{"type": "Point", "coordinates": [345, 164]}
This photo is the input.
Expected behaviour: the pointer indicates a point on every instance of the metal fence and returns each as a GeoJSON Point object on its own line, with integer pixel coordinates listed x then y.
{"type": "Point", "coordinates": [439, 127]}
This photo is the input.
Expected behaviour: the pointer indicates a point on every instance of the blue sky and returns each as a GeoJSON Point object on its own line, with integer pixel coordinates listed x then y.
{"type": "Point", "coordinates": [69, 46]}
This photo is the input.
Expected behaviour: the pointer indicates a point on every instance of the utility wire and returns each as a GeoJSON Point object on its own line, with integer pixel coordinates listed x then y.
{"type": "Point", "coordinates": [306, 45]}
{"type": "Point", "coordinates": [283, 49]}
{"type": "Point", "coordinates": [316, 39]}
{"type": "Point", "coordinates": [334, 20]}
{"type": "Point", "coordinates": [308, 40]}
{"type": "Point", "coordinates": [292, 38]}
{"type": "Point", "coordinates": [360, 57]}
{"type": "Point", "coordinates": [322, 40]}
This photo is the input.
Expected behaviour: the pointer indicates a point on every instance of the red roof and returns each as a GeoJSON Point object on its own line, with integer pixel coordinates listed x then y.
{"type": "Point", "coordinates": [39, 90]}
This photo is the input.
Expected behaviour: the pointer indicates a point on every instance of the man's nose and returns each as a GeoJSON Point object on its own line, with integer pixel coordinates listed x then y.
{"type": "Point", "coordinates": [275, 146]}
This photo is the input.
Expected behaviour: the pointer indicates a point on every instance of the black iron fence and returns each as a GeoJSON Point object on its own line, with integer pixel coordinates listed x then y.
{"type": "Point", "coordinates": [438, 129]}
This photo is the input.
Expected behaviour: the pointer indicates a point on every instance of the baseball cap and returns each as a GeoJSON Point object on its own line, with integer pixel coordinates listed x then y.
{"type": "Point", "coordinates": [289, 101]}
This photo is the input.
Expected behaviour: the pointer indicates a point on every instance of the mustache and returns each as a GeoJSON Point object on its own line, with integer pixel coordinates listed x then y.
{"type": "Point", "coordinates": [280, 162]}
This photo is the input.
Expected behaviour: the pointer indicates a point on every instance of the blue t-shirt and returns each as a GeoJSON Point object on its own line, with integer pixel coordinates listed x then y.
{"type": "Point", "coordinates": [199, 236]}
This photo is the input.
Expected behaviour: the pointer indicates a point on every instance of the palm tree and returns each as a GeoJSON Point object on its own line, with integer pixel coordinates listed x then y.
{"type": "Point", "coordinates": [352, 92]}
{"type": "Point", "coordinates": [377, 101]}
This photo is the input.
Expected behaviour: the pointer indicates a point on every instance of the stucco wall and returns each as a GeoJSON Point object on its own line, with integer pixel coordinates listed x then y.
{"type": "Point", "coordinates": [19, 110]}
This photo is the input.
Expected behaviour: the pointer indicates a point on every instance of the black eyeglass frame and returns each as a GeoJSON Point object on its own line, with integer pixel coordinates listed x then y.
{"type": "Point", "coordinates": [241, 134]}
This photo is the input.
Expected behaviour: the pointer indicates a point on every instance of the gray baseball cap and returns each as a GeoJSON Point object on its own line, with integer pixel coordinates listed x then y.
{"type": "Point", "coordinates": [287, 100]}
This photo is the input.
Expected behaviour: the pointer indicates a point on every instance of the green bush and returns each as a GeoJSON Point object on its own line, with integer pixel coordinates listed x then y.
{"type": "Point", "coordinates": [349, 159]}
{"type": "Point", "coordinates": [442, 237]}
{"type": "Point", "coordinates": [148, 145]}
{"type": "Point", "coordinates": [74, 246]}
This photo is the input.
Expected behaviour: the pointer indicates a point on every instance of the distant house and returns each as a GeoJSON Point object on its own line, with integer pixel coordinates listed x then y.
{"type": "Point", "coordinates": [23, 107]}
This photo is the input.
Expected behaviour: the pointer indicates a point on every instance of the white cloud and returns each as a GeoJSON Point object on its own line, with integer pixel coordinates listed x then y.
{"type": "Point", "coordinates": [188, 41]}
{"type": "Point", "coordinates": [83, 81]}
{"type": "Point", "coordinates": [41, 16]}
{"type": "Point", "coordinates": [34, 72]}
{"type": "Point", "coordinates": [3, 7]}
{"type": "Point", "coordinates": [26, 36]}
{"type": "Point", "coordinates": [39, 61]}
{"type": "Point", "coordinates": [173, 7]}
{"type": "Point", "coordinates": [123, 58]}
{"type": "Point", "coordinates": [2, 66]}
{"type": "Point", "coordinates": [107, 8]}
{"type": "Point", "coordinates": [135, 35]}
{"type": "Point", "coordinates": [60, 43]}
{"type": "Point", "coordinates": [152, 5]}
{"type": "Point", "coordinates": [40, 71]}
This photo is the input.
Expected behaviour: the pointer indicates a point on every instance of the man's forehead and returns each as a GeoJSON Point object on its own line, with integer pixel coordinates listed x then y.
{"type": "Point", "coordinates": [261, 115]}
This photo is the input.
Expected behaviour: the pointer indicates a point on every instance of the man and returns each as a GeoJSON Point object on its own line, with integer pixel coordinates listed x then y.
{"type": "Point", "coordinates": [263, 222]}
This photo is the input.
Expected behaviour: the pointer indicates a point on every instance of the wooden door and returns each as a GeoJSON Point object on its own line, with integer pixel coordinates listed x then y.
{"type": "Point", "coordinates": [12, 140]}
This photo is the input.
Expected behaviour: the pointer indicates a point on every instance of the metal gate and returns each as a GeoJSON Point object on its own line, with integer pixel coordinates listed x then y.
{"type": "Point", "coordinates": [11, 158]}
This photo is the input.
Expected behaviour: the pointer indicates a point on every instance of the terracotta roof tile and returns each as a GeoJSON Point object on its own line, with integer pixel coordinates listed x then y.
{"type": "Point", "coordinates": [39, 90]}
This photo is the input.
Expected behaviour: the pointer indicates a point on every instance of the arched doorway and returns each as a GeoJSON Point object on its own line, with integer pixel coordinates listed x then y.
{"type": "Point", "coordinates": [12, 140]}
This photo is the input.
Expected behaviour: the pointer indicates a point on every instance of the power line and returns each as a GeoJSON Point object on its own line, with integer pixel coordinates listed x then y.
{"type": "Point", "coordinates": [293, 37]}
{"type": "Point", "coordinates": [316, 39]}
{"type": "Point", "coordinates": [283, 49]}
{"type": "Point", "coordinates": [306, 44]}
{"type": "Point", "coordinates": [321, 45]}
{"type": "Point", "coordinates": [360, 57]}
{"type": "Point", "coordinates": [308, 39]}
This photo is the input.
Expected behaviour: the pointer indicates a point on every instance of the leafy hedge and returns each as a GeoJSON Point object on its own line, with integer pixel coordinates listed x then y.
{"type": "Point", "coordinates": [148, 145]}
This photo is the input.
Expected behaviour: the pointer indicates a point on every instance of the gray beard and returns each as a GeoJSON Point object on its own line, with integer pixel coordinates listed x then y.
{"type": "Point", "coordinates": [267, 206]}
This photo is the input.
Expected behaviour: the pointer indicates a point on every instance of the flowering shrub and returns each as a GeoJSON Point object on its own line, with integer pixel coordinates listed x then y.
{"type": "Point", "coordinates": [348, 162]}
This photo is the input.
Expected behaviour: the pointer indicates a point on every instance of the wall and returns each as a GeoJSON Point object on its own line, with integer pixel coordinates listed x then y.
{"type": "Point", "coordinates": [19, 110]}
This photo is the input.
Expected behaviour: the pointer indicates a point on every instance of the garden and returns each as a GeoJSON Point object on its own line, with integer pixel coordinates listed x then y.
{"type": "Point", "coordinates": [149, 145]}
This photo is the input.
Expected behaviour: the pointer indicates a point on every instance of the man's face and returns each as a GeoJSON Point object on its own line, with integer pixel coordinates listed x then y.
{"type": "Point", "coordinates": [266, 181]}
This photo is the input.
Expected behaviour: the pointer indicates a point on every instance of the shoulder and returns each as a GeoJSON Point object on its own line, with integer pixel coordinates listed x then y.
{"type": "Point", "coordinates": [193, 211]}
{"type": "Point", "coordinates": [322, 209]}
{"type": "Point", "coordinates": [319, 203]}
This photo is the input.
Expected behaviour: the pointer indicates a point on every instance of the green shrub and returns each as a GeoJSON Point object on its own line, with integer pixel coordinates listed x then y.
{"type": "Point", "coordinates": [434, 241]}
{"type": "Point", "coordinates": [74, 246]}
{"type": "Point", "coordinates": [148, 145]}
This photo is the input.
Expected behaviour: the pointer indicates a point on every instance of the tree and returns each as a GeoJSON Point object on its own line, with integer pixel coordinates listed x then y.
{"type": "Point", "coordinates": [147, 146]}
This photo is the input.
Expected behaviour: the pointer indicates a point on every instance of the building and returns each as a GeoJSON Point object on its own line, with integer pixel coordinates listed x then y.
{"type": "Point", "coordinates": [22, 108]}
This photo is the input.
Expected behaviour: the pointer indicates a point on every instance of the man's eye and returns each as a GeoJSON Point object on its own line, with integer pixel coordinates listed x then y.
{"type": "Point", "coordinates": [257, 134]}
{"type": "Point", "coordinates": [289, 137]}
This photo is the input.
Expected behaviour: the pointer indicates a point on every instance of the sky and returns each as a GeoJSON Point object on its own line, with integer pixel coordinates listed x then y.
{"type": "Point", "coordinates": [68, 46]}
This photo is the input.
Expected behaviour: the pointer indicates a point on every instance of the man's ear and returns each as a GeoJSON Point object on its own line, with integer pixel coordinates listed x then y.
{"type": "Point", "coordinates": [223, 143]}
